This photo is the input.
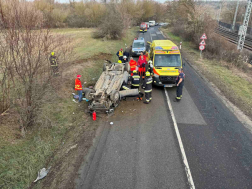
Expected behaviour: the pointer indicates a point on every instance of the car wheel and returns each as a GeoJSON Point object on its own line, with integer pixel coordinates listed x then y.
{"type": "Point", "coordinates": [88, 94]}
{"type": "Point", "coordinates": [115, 96]}
{"type": "Point", "coordinates": [127, 67]}
{"type": "Point", "coordinates": [104, 67]}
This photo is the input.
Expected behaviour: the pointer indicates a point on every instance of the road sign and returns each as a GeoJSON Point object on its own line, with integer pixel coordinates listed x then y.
{"type": "Point", "coordinates": [201, 47]}
{"type": "Point", "coordinates": [203, 36]}
{"type": "Point", "coordinates": [202, 42]}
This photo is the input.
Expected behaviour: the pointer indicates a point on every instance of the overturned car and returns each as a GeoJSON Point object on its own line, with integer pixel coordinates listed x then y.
{"type": "Point", "coordinates": [107, 93]}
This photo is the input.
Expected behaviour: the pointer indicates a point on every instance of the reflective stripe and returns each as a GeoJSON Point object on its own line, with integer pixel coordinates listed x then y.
{"type": "Point", "coordinates": [178, 98]}
{"type": "Point", "coordinates": [124, 87]}
{"type": "Point", "coordinates": [137, 76]}
{"type": "Point", "coordinates": [149, 82]}
{"type": "Point", "coordinates": [135, 85]}
{"type": "Point", "coordinates": [148, 91]}
{"type": "Point", "coordinates": [147, 100]}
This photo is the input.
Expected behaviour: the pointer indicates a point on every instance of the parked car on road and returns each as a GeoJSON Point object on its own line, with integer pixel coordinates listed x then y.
{"type": "Point", "coordinates": [138, 46]}
{"type": "Point", "coordinates": [152, 23]}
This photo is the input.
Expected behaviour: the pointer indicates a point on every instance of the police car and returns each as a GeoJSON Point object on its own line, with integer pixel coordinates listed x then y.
{"type": "Point", "coordinates": [138, 46]}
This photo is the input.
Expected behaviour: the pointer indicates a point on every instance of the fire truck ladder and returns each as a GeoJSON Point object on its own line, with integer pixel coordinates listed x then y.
{"type": "Point", "coordinates": [243, 28]}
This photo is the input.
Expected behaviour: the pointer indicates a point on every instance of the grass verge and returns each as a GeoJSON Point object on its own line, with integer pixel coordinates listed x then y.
{"type": "Point", "coordinates": [232, 82]}
{"type": "Point", "coordinates": [61, 122]}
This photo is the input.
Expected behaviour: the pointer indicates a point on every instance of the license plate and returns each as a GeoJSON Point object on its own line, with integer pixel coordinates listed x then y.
{"type": "Point", "coordinates": [168, 85]}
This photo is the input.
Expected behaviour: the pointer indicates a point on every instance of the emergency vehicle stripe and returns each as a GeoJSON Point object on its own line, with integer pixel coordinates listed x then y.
{"type": "Point", "coordinates": [155, 72]}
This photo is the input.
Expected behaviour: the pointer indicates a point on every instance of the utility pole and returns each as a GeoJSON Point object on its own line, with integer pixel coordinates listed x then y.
{"type": "Point", "coordinates": [236, 10]}
{"type": "Point", "coordinates": [243, 29]}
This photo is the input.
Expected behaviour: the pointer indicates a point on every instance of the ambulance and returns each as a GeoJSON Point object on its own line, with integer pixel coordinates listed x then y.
{"type": "Point", "coordinates": [166, 60]}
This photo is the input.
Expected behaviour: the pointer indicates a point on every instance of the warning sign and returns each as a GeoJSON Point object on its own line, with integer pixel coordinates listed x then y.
{"type": "Point", "coordinates": [203, 36]}
{"type": "Point", "coordinates": [202, 42]}
{"type": "Point", "coordinates": [201, 47]}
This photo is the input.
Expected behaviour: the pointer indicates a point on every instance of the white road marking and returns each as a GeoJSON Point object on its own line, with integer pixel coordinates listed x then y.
{"type": "Point", "coordinates": [153, 34]}
{"type": "Point", "coordinates": [158, 32]}
{"type": "Point", "coordinates": [150, 37]}
{"type": "Point", "coordinates": [181, 146]}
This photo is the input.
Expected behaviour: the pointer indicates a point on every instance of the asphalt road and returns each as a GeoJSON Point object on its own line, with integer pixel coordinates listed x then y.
{"type": "Point", "coordinates": [141, 151]}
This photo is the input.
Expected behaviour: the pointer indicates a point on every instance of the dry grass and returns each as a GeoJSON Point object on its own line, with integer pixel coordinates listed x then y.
{"type": "Point", "coordinates": [60, 119]}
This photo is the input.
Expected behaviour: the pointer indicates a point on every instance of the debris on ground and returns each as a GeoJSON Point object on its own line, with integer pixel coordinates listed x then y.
{"type": "Point", "coordinates": [72, 147]}
{"type": "Point", "coordinates": [42, 173]}
{"type": "Point", "coordinates": [111, 123]}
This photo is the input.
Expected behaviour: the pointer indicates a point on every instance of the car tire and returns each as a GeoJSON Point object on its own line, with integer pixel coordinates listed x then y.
{"type": "Point", "coordinates": [127, 67]}
{"type": "Point", "coordinates": [115, 96]}
{"type": "Point", "coordinates": [87, 94]}
{"type": "Point", "coordinates": [104, 67]}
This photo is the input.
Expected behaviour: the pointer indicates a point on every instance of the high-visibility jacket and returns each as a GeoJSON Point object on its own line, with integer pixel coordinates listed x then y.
{"type": "Point", "coordinates": [135, 80]}
{"type": "Point", "coordinates": [78, 86]}
{"type": "Point", "coordinates": [133, 65]}
{"type": "Point", "coordinates": [147, 84]}
{"type": "Point", "coordinates": [120, 53]}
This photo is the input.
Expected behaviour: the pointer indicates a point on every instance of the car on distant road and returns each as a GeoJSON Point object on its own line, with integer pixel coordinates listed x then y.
{"type": "Point", "coordinates": [138, 46]}
{"type": "Point", "coordinates": [152, 23]}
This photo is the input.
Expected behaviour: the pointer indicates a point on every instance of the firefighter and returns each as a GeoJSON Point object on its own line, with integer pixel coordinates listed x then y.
{"type": "Point", "coordinates": [180, 84]}
{"type": "Point", "coordinates": [124, 59]}
{"type": "Point", "coordinates": [54, 63]}
{"type": "Point", "coordinates": [127, 54]}
{"type": "Point", "coordinates": [135, 80]}
{"type": "Point", "coordinates": [149, 67]}
{"type": "Point", "coordinates": [120, 54]}
{"type": "Point", "coordinates": [78, 87]}
{"type": "Point", "coordinates": [133, 65]}
{"type": "Point", "coordinates": [147, 86]}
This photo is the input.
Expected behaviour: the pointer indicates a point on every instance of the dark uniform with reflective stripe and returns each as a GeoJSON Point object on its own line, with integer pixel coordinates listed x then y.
{"type": "Point", "coordinates": [135, 81]}
{"type": "Point", "coordinates": [148, 68]}
{"type": "Point", "coordinates": [147, 85]}
{"type": "Point", "coordinates": [54, 64]}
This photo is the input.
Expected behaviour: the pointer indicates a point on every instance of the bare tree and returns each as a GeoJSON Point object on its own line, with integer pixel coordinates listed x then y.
{"type": "Point", "coordinates": [25, 48]}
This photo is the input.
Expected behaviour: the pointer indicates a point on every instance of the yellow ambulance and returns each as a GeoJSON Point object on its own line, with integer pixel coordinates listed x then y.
{"type": "Point", "coordinates": [166, 60]}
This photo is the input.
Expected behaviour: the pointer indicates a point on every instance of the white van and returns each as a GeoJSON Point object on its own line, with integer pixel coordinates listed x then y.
{"type": "Point", "coordinates": [152, 23]}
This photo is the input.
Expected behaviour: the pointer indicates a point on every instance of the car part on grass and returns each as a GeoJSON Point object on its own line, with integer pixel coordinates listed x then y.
{"type": "Point", "coordinates": [42, 173]}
